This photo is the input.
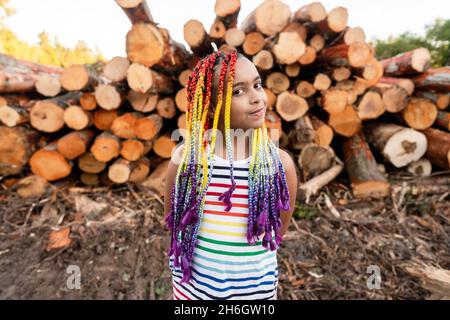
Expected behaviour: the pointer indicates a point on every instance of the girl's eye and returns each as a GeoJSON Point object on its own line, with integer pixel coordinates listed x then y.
{"type": "Point", "coordinates": [238, 92]}
{"type": "Point", "coordinates": [258, 85]}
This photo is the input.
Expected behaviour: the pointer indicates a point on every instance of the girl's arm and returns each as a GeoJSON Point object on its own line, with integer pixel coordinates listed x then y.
{"type": "Point", "coordinates": [292, 182]}
{"type": "Point", "coordinates": [170, 176]}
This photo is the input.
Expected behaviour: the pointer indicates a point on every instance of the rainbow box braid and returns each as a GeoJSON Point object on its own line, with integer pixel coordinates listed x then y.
{"type": "Point", "coordinates": [268, 192]}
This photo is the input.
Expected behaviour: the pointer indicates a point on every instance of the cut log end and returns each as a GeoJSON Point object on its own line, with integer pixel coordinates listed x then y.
{"type": "Point", "coordinates": [116, 69]}
{"type": "Point", "coordinates": [420, 113]}
{"type": "Point", "coordinates": [346, 123]}
{"type": "Point", "coordinates": [290, 106]}
{"type": "Point", "coordinates": [74, 78]}
{"type": "Point", "coordinates": [404, 147]}
{"type": "Point", "coordinates": [108, 97]}
{"type": "Point", "coordinates": [48, 85]}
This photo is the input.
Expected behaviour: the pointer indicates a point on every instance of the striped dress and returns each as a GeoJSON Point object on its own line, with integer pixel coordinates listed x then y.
{"type": "Point", "coordinates": [224, 265]}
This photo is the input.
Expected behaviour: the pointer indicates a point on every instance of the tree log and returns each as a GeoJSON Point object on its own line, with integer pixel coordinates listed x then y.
{"type": "Point", "coordinates": [89, 164]}
{"type": "Point", "coordinates": [31, 186]}
{"type": "Point", "coordinates": [443, 120]}
{"type": "Point", "coordinates": [106, 147]}
{"type": "Point", "coordinates": [123, 126]}
{"type": "Point", "coordinates": [136, 10]}
{"type": "Point", "coordinates": [197, 37]}
{"type": "Point", "coordinates": [263, 60]}
{"type": "Point", "coordinates": [366, 180]}
{"type": "Point", "coordinates": [434, 79]}
{"type": "Point", "coordinates": [323, 132]}
{"type": "Point", "coordinates": [438, 147]}
{"type": "Point", "coordinates": [302, 134]}
{"type": "Point", "coordinates": [75, 143]}
{"type": "Point", "coordinates": [398, 145]}
{"type": "Point", "coordinates": [305, 89]}
{"type": "Point", "coordinates": [322, 82]}
{"type": "Point", "coordinates": [313, 12]}
{"type": "Point", "coordinates": [370, 106]}
{"type": "Point", "coordinates": [442, 100]}
{"type": "Point", "coordinates": [292, 70]}
{"type": "Point", "coordinates": [181, 100]}
{"type": "Point", "coordinates": [142, 102]}
{"type": "Point", "coordinates": [290, 106]}
{"type": "Point", "coordinates": [346, 123]}
{"type": "Point", "coordinates": [355, 55]}
{"type": "Point", "coordinates": [317, 42]}
{"type": "Point", "coordinates": [314, 159]}
{"type": "Point", "coordinates": [48, 115]}
{"type": "Point", "coordinates": [115, 70]}
{"type": "Point", "coordinates": [234, 37]}
{"type": "Point", "coordinates": [334, 100]}
{"type": "Point", "coordinates": [395, 98]}
{"type": "Point", "coordinates": [147, 128]}
{"type": "Point", "coordinates": [103, 119]}
{"type": "Point", "coordinates": [420, 113]}
{"type": "Point", "coordinates": [420, 168]}
{"type": "Point", "coordinates": [164, 146]}
{"type": "Point", "coordinates": [289, 48]}
{"type": "Point", "coordinates": [119, 171]}
{"type": "Point", "coordinates": [312, 186]}
{"type": "Point", "coordinates": [16, 146]}
{"type": "Point", "coordinates": [87, 101]}
{"type": "Point", "coordinates": [150, 45]}
{"type": "Point", "coordinates": [157, 179]}
{"type": "Point", "coordinates": [277, 82]}
{"type": "Point", "coordinates": [140, 170]}
{"type": "Point", "coordinates": [20, 76]}
{"type": "Point", "coordinates": [80, 77]}
{"type": "Point", "coordinates": [253, 43]}
{"type": "Point", "coordinates": [227, 12]}
{"type": "Point", "coordinates": [49, 164]}
{"type": "Point", "coordinates": [411, 62]}
{"type": "Point", "coordinates": [142, 79]}
{"type": "Point", "coordinates": [48, 85]}
{"type": "Point", "coordinates": [270, 17]}
{"type": "Point", "coordinates": [217, 31]}
{"type": "Point", "coordinates": [404, 83]}
{"type": "Point", "coordinates": [336, 20]}
{"type": "Point", "coordinates": [12, 116]}
{"type": "Point", "coordinates": [166, 108]}
{"type": "Point", "coordinates": [77, 119]}
{"type": "Point", "coordinates": [341, 73]}
{"type": "Point", "coordinates": [133, 149]}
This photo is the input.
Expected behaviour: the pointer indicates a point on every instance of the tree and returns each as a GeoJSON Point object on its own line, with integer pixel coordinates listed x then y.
{"type": "Point", "coordinates": [47, 50]}
{"type": "Point", "coordinates": [436, 39]}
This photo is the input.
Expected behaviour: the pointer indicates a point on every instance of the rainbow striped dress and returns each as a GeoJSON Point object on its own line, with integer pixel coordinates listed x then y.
{"type": "Point", "coordinates": [224, 265]}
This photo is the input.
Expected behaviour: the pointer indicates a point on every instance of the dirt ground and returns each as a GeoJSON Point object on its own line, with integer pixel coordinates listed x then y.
{"type": "Point", "coordinates": [118, 241]}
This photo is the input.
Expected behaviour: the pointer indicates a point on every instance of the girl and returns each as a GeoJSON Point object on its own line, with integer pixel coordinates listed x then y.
{"type": "Point", "coordinates": [227, 214]}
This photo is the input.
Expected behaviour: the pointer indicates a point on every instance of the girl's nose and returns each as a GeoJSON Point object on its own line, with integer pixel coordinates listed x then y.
{"type": "Point", "coordinates": [255, 97]}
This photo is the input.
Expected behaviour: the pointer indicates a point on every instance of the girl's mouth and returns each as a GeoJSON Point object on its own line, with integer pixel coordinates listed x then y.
{"type": "Point", "coordinates": [257, 113]}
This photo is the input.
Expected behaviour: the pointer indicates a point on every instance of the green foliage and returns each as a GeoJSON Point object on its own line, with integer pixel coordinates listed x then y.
{"type": "Point", "coordinates": [303, 211]}
{"type": "Point", "coordinates": [436, 39]}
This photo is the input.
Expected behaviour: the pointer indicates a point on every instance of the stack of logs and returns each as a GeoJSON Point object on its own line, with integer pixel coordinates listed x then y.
{"type": "Point", "coordinates": [328, 98]}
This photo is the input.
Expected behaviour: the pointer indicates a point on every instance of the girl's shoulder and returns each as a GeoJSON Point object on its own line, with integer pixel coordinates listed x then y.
{"type": "Point", "coordinates": [177, 155]}
{"type": "Point", "coordinates": [286, 159]}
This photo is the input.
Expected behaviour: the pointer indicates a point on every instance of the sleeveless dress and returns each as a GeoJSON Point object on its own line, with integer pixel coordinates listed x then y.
{"type": "Point", "coordinates": [224, 265]}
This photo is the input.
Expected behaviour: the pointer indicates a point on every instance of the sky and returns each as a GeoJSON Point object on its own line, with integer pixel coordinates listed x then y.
{"type": "Point", "coordinates": [103, 25]}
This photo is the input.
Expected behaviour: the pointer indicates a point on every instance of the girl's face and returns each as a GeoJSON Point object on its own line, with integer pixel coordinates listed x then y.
{"type": "Point", "coordinates": [248, 101]}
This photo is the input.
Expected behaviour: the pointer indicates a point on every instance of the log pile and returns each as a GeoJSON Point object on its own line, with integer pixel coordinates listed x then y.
{"type": "Point", "coordinates": [328, 97]}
